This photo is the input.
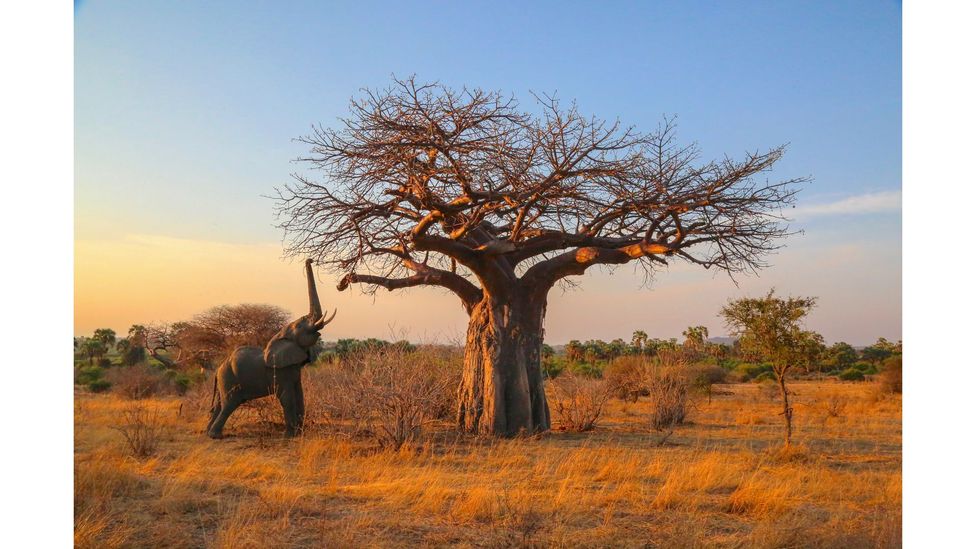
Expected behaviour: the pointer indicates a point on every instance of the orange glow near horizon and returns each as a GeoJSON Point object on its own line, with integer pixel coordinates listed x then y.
{"type": "Point", "coordinates": [147, 278]}
{"type": "Point", "coordinates": [143, 279]}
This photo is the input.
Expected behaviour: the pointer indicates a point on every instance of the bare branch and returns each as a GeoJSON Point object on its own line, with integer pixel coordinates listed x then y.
{"type": "Point", "coordinates": [489, 192]}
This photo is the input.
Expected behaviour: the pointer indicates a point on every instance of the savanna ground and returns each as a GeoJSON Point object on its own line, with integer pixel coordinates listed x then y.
{"type": "Point", "coordinates": [718, 481]}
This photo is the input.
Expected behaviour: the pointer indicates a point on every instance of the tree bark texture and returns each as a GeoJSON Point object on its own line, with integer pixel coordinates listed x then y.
{"type": "Point", "coordinates": [502, 390]}
{"type": "Point", "coordinates": [787, 409]}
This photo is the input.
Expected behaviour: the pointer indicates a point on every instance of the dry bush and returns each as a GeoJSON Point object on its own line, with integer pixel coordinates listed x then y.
{"type": "Point", "coordinates": [891, 375]}
{"type": "Point", "coordinates": [137, 382]}
{"type": "Point", "coordinates": [197, 400]}
{"type": "Point", "coordinates": [767, 390]}
{"type": "Point", "coordinates": [670, 358]}
{"type": "Point", "coordinates": [627, 376]}
{"type": "Point", "coordinates": [669, 398]}
{"type": "Point", "coordinates": [579, 401]}
{"type": "Point", "coordinates": [266, 414]}
{"type": "Point", "coordinates": [834, 404]}
{"type": "Point", "coordinates": [389, 394]}
{"type": "Point", "coordinates": [142, 429]}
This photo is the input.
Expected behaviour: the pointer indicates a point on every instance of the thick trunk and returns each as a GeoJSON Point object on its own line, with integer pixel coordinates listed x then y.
{"type": "Point", "coordinates": [501, 390]}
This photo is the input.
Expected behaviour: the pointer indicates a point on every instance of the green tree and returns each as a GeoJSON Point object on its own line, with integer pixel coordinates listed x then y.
{"type": "Point", "coordinates": [770, 329]}
{"type": "Point", "coordinates": [695, 337]}
{"type": "Point", "coordinates": [878, 352]}
{"type": "Point", "coordinates": [93, 348]}
{"type": "Point", "coordinates": [812, 351]}
{"type": "Point", "coordinates": [106, 336]}
{"type": "Point", "coordinates": [547, 351]}
{"type": "Point", "coordinates": [638, 340]}
{"type": "Point", "coordinates": [841, 356]}
{"type": "Point", "coordinates": [574, 350]}
{"type": "Point", "coordinates": [617, 347]}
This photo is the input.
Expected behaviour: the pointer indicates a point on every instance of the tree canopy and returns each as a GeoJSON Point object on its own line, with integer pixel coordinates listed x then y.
{"type": "Point", "coordinates": [426, 185]}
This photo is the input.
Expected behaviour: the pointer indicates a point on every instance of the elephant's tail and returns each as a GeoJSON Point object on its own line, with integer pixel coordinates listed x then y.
{"type": "Point", "coordinates": [213, 396]}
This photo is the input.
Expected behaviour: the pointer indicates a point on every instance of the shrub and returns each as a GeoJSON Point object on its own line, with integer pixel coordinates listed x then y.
{"type": "Point", "coordinates": [179, 381]}
{"type": "Point", "coordinates": [765, 376]}
{"type": "Point", "coordinates": [768, 388]}
{"type": "Point", "coordinates": [728, 364]}
{"type": "Point", "coordinates": [707, 373]}
{"type": "Point", "coordinates": [84, 375]}
{"type": "Point", "coordinates": [891, 375]}
{"type": "Point", "coordinates": [99, 385]}
{"type": "Point", "coordinates": [133, 355]}
{"type": "Point", "coordinates": [586, 369]}
{"type": "Point", "coordinates": [579, 400]}
{"type": "Point", "coordinates": [851, 374]}
{"type": "Point", "coordinates": [552, 367]}
{"type": "Point", "coordinates": [141, 428]}
{"type": "Point", "coordinates": [669, 397]}
{"type": "Point", "coordinates": [389, 393]}
{"type": "Point", "coordinates": [626, 377]}
{"type": "Point", "coordinates": [139, 381]}
{"type": "Point", "coordinates": [834, 404]}
{"type": "Point", "coordinates": [747, 371]}
{"type": "Point", "coordinates": [865, 367]}
{"type": "Point", "coordinates": [703, 376]}
{"type": "Point", "coordinates": [105, 362]}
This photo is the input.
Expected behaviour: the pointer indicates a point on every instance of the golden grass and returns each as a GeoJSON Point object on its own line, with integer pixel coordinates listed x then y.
{"type": "Point", "coordinates": [720, 481]}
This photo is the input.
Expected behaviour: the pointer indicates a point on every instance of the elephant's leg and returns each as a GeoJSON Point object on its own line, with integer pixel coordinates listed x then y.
{"type": "Point", "coordinates": [230, 404]}
{"type": "Point", "coordinates": [286, 396]}
{"type": "Point", "coordinates": [300, 404]}
{"type": "Point", "coordinates": [214, 412]}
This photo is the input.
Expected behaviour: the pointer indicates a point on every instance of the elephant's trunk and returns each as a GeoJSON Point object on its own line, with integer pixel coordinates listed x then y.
{"type": "Point", "coordinates": [314, 307]}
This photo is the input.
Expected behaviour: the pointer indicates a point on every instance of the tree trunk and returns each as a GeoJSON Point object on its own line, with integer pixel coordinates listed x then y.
{"type": "Point", "coordinates": [501, 389]}
{"type": "Point", "coordinates": [787, 410]}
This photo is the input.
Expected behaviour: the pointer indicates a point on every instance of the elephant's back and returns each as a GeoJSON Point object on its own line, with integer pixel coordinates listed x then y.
{"type": "Point", "coordinates": [247, 354]}
{"type": "Point", "coordinates": [246, 365]}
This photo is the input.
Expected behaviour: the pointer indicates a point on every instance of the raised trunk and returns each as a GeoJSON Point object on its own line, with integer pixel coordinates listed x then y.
{"type": "Point", "coordinates": [502, 390]}
{"type": "Point", "coordinates": [314, 307]}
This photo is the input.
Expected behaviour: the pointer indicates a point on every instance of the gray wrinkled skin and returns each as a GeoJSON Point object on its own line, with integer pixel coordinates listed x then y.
{"type": "Point", "coordinates": [252, 372]}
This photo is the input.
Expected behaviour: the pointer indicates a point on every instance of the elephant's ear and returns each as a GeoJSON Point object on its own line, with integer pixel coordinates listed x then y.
{"type": "Point", "coordinates": [282, 353]}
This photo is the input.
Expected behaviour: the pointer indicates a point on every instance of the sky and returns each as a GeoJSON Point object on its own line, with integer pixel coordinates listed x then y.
{"type": "Point", "coordinates": [185, 115]}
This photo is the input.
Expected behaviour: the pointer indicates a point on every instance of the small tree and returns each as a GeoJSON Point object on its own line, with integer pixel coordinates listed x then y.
{"type": "Point", "coordinates": [841, 356]}
{"type": "Point", "coordinates": [891, 375]}
{"type": "Point", "coordinates": [770, 329]}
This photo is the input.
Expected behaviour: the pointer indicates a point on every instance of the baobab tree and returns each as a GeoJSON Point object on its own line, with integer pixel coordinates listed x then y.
{"type": "Point", "coordinates": [423, 185]}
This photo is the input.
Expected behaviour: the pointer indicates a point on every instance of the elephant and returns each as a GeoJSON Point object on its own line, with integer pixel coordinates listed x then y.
{"type": "Point", "coordinates": [252, 372]}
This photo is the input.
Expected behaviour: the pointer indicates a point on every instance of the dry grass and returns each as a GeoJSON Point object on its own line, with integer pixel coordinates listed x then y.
{"type": "Point", "coordinates": [721, 482]}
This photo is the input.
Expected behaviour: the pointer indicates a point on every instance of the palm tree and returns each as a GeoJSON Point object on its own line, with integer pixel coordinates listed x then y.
{"type": "Point", "coordinates": [93, 347]}
{"type": "Point", "coordinates": [695, 337]}
{"type": "Point", "coordinates": [638, 340]}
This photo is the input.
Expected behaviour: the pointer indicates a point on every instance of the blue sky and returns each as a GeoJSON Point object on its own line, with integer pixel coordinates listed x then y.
{"type": "Point", "coordinates": [185, 114]}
